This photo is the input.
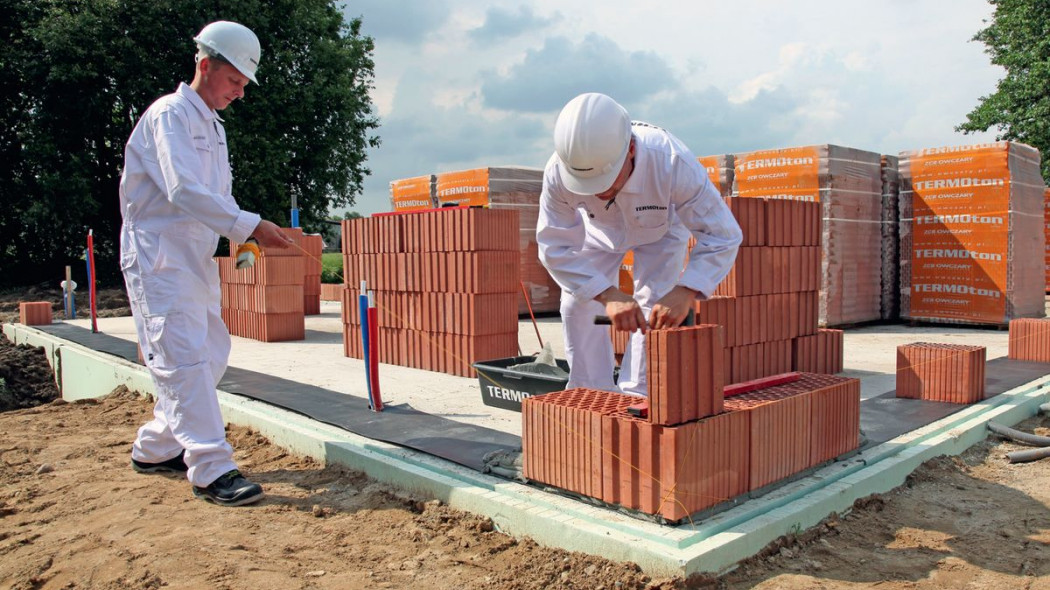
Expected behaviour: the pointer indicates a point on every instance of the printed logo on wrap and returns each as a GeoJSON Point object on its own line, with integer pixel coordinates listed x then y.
{"type": "Point", "coordinates": [960, 233]}
{"type": "Point", "coordinates": [789, 173]}
{"type": "Point", "coordinates": [468, 188]}
{"type": "Point", "coordinates": [411, 194]}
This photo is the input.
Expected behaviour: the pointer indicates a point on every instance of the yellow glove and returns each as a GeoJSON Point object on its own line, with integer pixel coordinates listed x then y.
{"type": "Point", "coordinates": [247, 253]}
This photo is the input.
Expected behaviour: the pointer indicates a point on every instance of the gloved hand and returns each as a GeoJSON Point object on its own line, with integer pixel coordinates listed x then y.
{"type": "Point", "coordinates": [247, 254]}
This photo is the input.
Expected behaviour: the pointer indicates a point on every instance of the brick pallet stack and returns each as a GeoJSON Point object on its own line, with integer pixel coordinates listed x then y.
{"type": "Point", "coordinates": [847, 183]}
{"type": "Point", "coordinates": [265, 302]}
{"type": "Point", "coordinates": [891, 295]}
{"type": "Point", "coordinates": [508, 187]}
{"type": "Point", "coordinates": [445, 283]}
{"type": "Point", "coordinates": [313, 246]}
{"type": "Point", "coordinates": [413, 194]}
{"type": "Point", "coordinates": [971, 226]}
{"type": "Point", "coordinates": [696, 448]}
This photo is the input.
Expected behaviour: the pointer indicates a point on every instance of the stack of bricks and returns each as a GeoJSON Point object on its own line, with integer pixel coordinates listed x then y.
{"type": "Point", "coordinates": [445, 284]}
{"type": "Point", "coordinates": [768, 305]}
{"type": "Point", "coordinates": [720, 170]}
{"type": "Point", "coordinates": [1029, 340]}
{"type": "Point", "coordinates": [313, 247]}
{"type": "Point", "coordinates": [972, 231]}
{"type": "Point", "coordinates": [941, 372]}
{"type": "Point", "coordinates": [265, 301]}
{"type": "Point", "coordinates": [891, 295]}
{"type": "Point", "coordinates": [694, 449]}
{"type": "Point", "coordinates": [34, 313]}
{"type": "Point", "coordinates": [848, 185]}
{"type": "Point", "coordinates": [331, 291]}
{"type": "Point", "coordinates": [413, 194]}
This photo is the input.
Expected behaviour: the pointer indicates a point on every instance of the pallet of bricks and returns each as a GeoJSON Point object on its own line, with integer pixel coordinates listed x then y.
{"type": "Point", "coordinates": [720, 171]}
{"type": "Point", "coordinates": [504, 187]}
{"type": "Point", "coordinates": [266, 301]}
{"type": "Point", "coordinates": [971, 223]}
{"type": "Point", "coordinates": [700, 445]}
{"type": "Point", "coordinates": [768, 304]}
{"type": "Point", "coordinates": [847, 183]}
{"type": "Point", "coordinates": [445, 283]}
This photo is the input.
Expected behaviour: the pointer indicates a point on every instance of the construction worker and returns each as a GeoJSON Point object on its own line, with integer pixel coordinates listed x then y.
{"type": "Point", "coordinates": [176, 200]}
{"type": "Point", "coordinates": [612, 186]}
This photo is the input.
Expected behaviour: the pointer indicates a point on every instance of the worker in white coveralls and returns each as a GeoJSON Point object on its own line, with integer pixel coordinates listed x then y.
{"type": "Point", "coordinates": [614, 185]}
{"type": "Point", "coordinates": [176, 200]}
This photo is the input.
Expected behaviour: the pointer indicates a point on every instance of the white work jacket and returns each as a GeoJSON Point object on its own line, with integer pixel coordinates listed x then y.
{"type": "Point", "coordinates": [177, 176]}
{"type": "Point", "coordinates": [668, 195]}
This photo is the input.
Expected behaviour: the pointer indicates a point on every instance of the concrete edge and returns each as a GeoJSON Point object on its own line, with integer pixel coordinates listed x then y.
{"type": "Point", "coordinates": [518, 510]}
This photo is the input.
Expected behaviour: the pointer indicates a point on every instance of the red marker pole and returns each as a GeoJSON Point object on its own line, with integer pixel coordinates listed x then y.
{"type": "Point", "coordinates": [91, 280]}
{"type": "Point", "coordinates": [373, 357]}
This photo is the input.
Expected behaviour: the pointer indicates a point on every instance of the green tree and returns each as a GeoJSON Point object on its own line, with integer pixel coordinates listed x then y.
{"type": "Point", "coordinates": [76, 75]}
{"type": "Point", "coordinates": [1018, 39]}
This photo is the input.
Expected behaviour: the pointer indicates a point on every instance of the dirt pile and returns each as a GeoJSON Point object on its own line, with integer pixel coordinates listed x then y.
{"type": "Point", "coordinates": [26, 378]}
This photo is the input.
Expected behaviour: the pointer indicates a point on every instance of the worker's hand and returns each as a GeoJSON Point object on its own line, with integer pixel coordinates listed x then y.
{"type": "Point", "coordinates": [671, 310]}
{"type": "Point", "coordinates": [624, 312]}
{"type": "Point", "coordinates": [269, 235]}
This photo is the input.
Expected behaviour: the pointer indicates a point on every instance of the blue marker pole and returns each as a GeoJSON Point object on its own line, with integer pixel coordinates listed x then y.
{"type": "Point", "coordinates": [362, 305]}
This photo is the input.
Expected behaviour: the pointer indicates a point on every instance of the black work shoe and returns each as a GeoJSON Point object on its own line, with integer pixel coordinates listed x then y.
{"type": "Point", "coordinates": [231, 489]}
{"type": "Point", "coordinates": [174, 465]}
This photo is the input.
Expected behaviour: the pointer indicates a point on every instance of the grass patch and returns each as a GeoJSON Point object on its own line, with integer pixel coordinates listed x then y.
{"type": "Point", "coordinates": [332, 267]}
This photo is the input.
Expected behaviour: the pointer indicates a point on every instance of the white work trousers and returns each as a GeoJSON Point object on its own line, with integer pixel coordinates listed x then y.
{"type": "Point", "coordinates": [588, 347]}
{"type": "Point", "coordinates": [173, 287]}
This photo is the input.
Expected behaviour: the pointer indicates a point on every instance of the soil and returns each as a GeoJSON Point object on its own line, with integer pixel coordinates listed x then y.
{"type": "Point", "coordinates": [26, 379]}
{"type": "Point", "coordinates": [110, 302]}
{"type": "Point", "coordinates": [74, 515]}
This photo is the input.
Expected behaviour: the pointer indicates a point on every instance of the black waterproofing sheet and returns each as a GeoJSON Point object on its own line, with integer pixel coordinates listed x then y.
{"type": "Point", "coordinates": [882, 418]}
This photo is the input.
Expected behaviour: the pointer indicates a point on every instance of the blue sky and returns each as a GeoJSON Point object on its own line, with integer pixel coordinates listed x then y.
{"type": "Point", "coordinates": [465, 84]}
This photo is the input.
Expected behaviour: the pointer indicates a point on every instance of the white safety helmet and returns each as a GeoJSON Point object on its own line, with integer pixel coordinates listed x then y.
{"type": "Point", "coordinates": [234, 43]}
{"type": "Point", "coordinates": [591, 138]}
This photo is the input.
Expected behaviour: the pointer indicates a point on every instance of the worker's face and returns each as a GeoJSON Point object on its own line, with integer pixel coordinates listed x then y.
{"type": "Point", "coordinates": [222, 84]}
{"type": "Point", "coordinates": [621, 178]}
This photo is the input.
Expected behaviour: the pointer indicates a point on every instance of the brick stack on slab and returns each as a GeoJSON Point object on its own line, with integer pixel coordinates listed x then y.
{"type": "Point", "coordinates": [331, 291]}
{"type": "Point", "coordinates": [413, 194]}
{"type": "Point", "coordinates": [313, 246]}
{"type": "Point", "coordinates": [768, 305]}
{"type": "Point", "coordinates": [890, 302]}
{"type": "Point", "coordinates": [1030, 340]}
{"type": "Point", "coordinates": [445, 283]}
{"type": "Point", "coordinates": [941, 372]}
{"type": "Point", "coordinates": [971, 226]}
{"type": "Point", "coordinates": [265, 302]}
{"type": "Point", "coordinates": [508, 187]}
{"type": "Point", "coordinates": [34, 313]}
{"type": "Point", "coordinates": [847, 183]}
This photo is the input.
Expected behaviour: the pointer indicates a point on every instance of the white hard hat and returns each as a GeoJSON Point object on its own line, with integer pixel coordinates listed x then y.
{"type": "Point", "coordinates": [591, 138]}
{"type": "Point", "coordinates": [233, 42]}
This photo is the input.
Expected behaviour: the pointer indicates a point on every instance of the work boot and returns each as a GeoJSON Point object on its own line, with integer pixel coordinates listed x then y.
{"type": "Point", "coordinates": [231, 489]}
{"type": "Point", "coordinates": [176, 464]}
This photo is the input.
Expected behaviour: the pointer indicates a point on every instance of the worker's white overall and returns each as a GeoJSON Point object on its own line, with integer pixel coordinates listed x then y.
{"type": "Point", "coordinates": [176, 200]}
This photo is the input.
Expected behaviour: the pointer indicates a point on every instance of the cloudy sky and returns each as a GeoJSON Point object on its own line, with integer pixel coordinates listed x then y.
{"type": "Point", "coordinates": [463, 84]}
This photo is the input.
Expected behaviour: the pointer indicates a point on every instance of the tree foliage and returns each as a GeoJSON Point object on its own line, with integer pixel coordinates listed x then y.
{"type": "Point", "coordinates": [1018, 39]}
{"type": "Point", "coordinates": [76, 75]}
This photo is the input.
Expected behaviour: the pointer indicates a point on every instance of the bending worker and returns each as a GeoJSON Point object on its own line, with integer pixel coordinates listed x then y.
{"type": "Point", "coordinates": [610, 187]}
{"type": "Point", "coordinates": [176, 200]}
